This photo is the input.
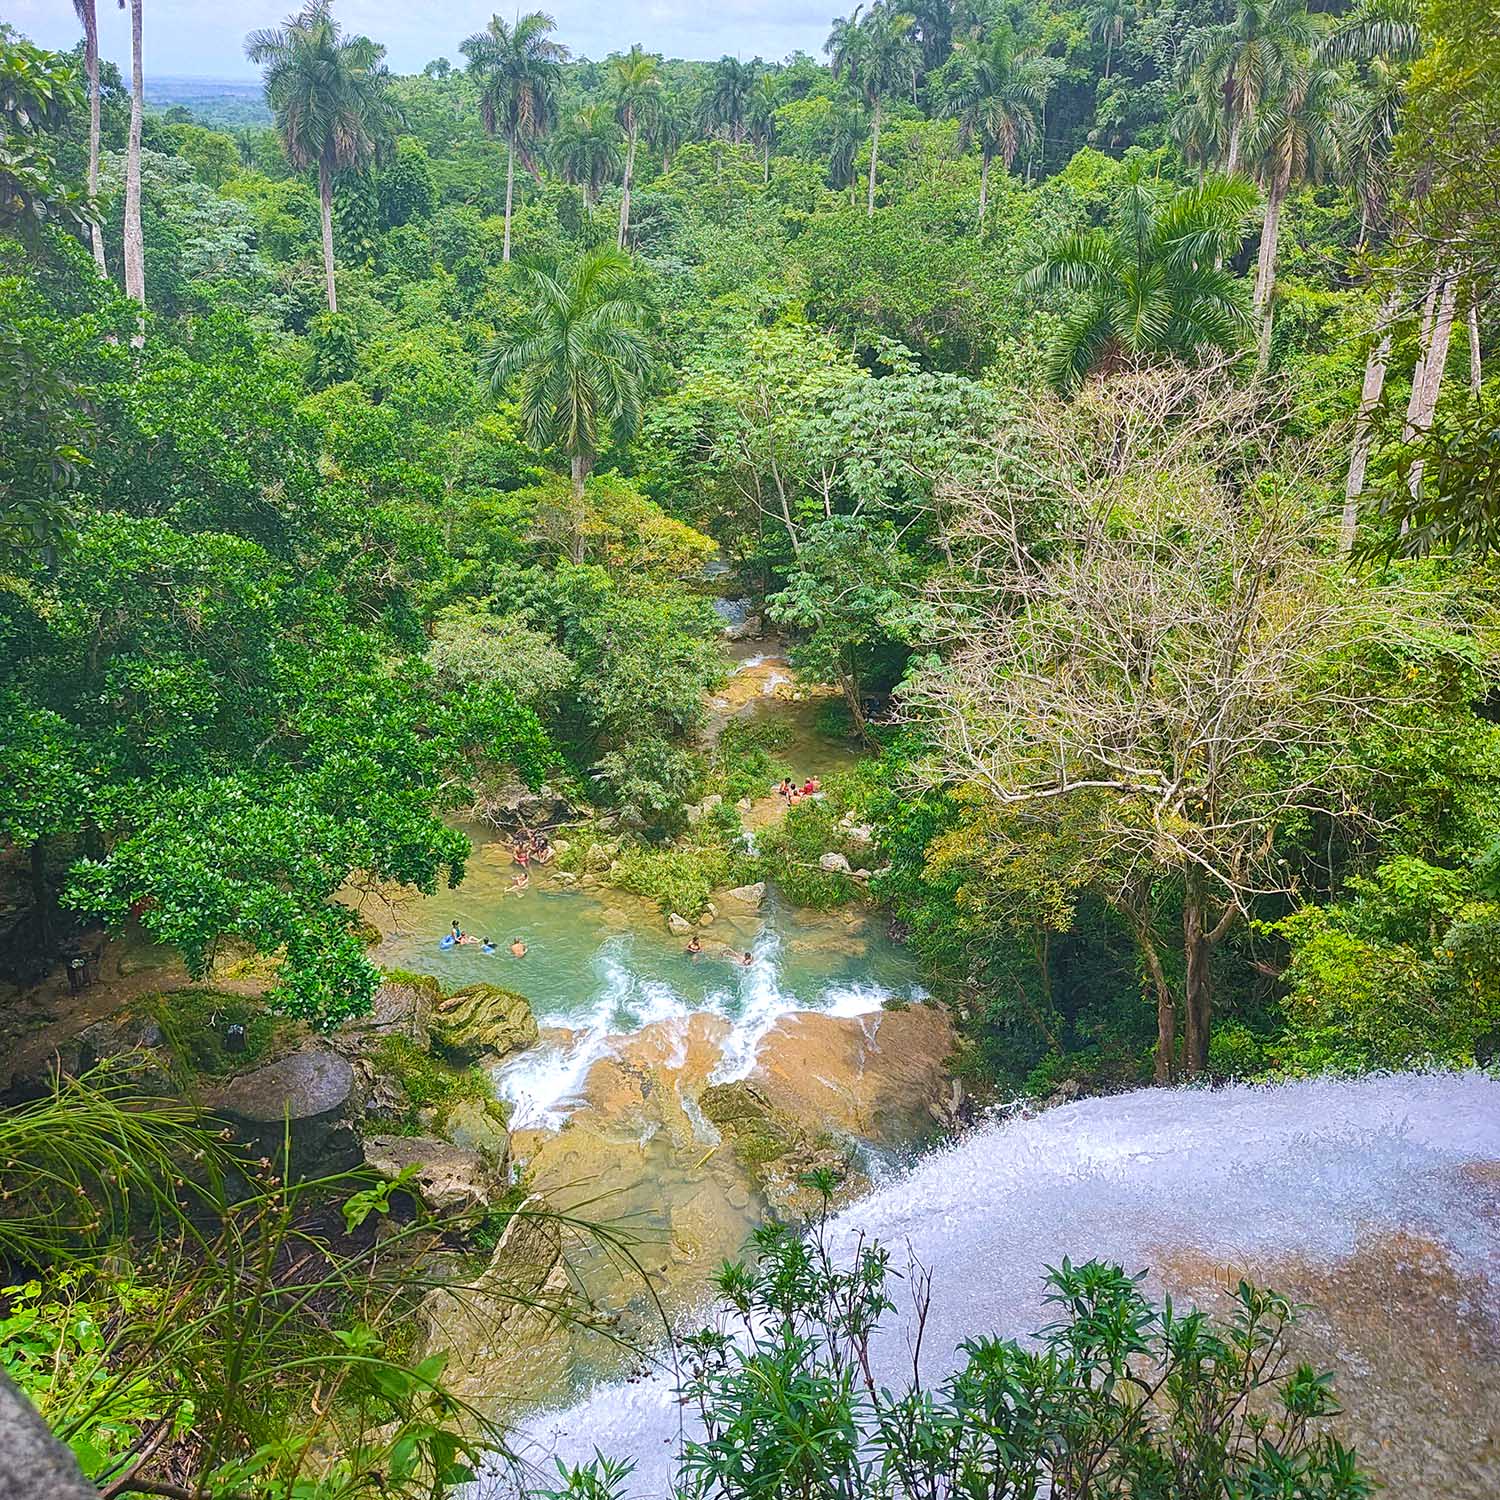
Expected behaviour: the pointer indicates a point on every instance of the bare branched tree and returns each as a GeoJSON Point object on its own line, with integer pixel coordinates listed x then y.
{"type": "Point", "coordinates": [1152, 631]}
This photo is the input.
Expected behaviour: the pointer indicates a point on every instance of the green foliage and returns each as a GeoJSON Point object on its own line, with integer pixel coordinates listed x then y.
{"type": "Point", "coordinates": [1136, 1395]}
{"type": "Point", "coordinates": [194, 1023]}
{"type": "Point", "coordinates": [426, 1083]}
{"type": "Point", "coordinates": [682, 878]}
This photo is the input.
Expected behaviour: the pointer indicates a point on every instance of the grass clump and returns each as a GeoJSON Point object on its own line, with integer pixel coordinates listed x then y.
{"type": "Point", "coordinates": [681, 877]}
{"type": "Point", "coordinates": [425, 1082]}
{"type": "Point", "coordinates": [195, 1025]}
{"type": "Point", "coordinates": [745, 763]}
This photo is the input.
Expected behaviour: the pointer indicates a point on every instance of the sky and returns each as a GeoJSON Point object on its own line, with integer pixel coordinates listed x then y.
{"type": "Point", "coordinates": [205, 38]}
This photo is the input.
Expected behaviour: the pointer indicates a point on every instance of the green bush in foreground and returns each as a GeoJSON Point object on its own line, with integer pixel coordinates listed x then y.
{"type": "Point", "coordinates": [1120, 1398]}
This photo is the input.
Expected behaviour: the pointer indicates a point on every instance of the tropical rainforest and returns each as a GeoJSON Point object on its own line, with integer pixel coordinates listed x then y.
{"type": "Point", "coordinates": [1092, 397]}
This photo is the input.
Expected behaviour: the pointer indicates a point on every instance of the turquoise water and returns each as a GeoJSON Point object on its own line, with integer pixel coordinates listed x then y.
{"type": "Point", "coordinates": [600, 965]}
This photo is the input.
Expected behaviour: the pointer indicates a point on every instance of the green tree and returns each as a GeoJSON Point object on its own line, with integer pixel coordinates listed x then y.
{"type": "Point", "coordinates": [765, 100]}
{"type": "Point", "coordinates": [88, 17]}
{"type": "Point", "coordinates": [994, 91]}
{"type": "Point", "coordinates": [635, 85]}
{"type": "Point", "coordinates": [586, 150]}
{"type": "Point", "coordinates": [1151, 286]}
{"type": "Point", "coordinates": [1233, 70]}
{"type": "Point", "coordinates": [1294, 139]}
{"type": "Point", "coordinates": [1108, 20]}
{"type": "Point", "coordinates": [517, 69]}
{"type": "Point", "coordinates": [725, 104]}
{"type": "Point", "coordinates": [878, 56]}
{"type": "Point", "coordinates": [328, 93]}
{"type": "Point", "coordinates": [580, 358]}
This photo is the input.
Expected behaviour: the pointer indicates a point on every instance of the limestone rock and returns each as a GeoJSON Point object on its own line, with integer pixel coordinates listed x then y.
{"type": "Point", "coordinates": [479, 1125]}
{"type": "Point", "coordinates": [448, 1179]}
{"type": "Point", "coordinates": [33, 1464]}
{"type": "Point", "coordinates": [748, 895]}
{"type": "Point", "coordinates": [515, 807]}
{"type": "Point", "coordinates": [311, 1094]}
{"type": "Point", "coordinates": [508, 1320]}
{"type": "Point", "coordinates": [861, 875]}
{"type": "Point", "coordinates": [483, 1020]}
{"type": "Point", "coordinates": [678, 926]}
{"type": "Point", "coordinates": [711, 802]}
{"type": "Point", "coordinates": [745, 804]}
{"type": "Point", "coordinates": [834, 863]}
{"type": "Point", "coordinates": [403, 1006]}
{"type": "Point", "coordinates": [597, 857]}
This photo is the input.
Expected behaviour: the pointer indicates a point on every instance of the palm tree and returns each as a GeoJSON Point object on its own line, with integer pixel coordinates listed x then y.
{"type": "Point", "coordinates": [765, 100]}
{"type": "Point", "coordinates": [1369, 135]}
{"type": "Point", "coordinates": [1293, 140]}
{"type": "Point", "coordinates": [635, 83]}
{"type": "Point", "coordinates": [1230, 72]}
{"type": "Point", "coordinates": [587, 151]}
{"type": "Point", "coordinates": [668, 127]}
{"type": "Point", "coordinates": [994, 92]}
{"type": "Point", "coordinates": [135, 244]}
{"type": "Point", "coordinates": [876, 54]}
{"type": "Point", "coordinates": [88, 18]}
{"type": "Point", "coordinates": [518, 69]}
{"type": "Point", "coordinates": [727, 101]}
{"type": "Point", "coordinates": [1107, 22]}
{"type": "Point", "coordinates": [579, 357]}
{"type": "Point", "coordinates": [847, 128]}
{"type": "Point", "coordinates": [327, 92]}
{"type": "Point", "coordinates": [1150, 286]}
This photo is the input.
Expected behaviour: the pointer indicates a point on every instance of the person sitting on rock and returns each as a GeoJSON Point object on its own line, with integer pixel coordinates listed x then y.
{"type": "Point", "coordinates": [810, 786]}
{"type": "Point", "coordinates": [786, 789]}
{"type": "Point", "coordinates": [521, 854]}
{"type": "Point", "coordinates": [518, 948]}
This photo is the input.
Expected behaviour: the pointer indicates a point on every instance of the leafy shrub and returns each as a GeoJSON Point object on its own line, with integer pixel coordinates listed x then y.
{"type": "Point", "coordinates": [792, 850]}
{"type": "Point", "coordinates": [426, 1082]}
{"type": "Point", "coordinates": [682, 878]}
{"type": "Point", "coordinates": [1123, 1398]}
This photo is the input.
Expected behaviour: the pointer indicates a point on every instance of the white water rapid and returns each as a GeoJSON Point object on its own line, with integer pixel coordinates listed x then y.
{"type": "Point", "coordinates": [1305, 1174]}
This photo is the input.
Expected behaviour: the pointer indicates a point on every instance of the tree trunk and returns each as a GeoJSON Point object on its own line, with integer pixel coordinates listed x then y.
{"type": "Point", "coordinates": [1109, 51]}
{"type": "Point", "coordinates": [1197, 947]}
{"type": "Point", "coordinates": [1232, 161]}
{"type": "Point", "coordinates": [1166, 1012]}
{"type": "Point", "coordinates": [325, 208]}
{"type": "Point", "coordinates": [41, 897]}
{"type": "Point", "coordinates": [1476, 360]}
{"type": "Point", "coordinates": [1369, 399]}
{"type": "Point", "coordinates": [984, 185]}
{"type": "Point", "coordinates": [510, 189]}
{"type": "Point", "coordinates": [91, 68]}
{"type": "Point", "coordinates": [849, 686]}
{"type": "Point", "coordinates": [135, 246]}
{"type": "Point", "coordinates": [766, 171]}
{"type": "Point", "coordinates": [625, 194]}
{"type": "Point", "coordinates": [1265, 271]}
{"type": "Point", "coordinates": [582, 464]}
{"type": "Point", "coordinates": [874, 157]}
{"type": "Point", "coordinates": [1428, 380]}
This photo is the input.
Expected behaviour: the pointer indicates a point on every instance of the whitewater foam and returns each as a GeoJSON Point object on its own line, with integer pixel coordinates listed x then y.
{"type": "Point", "coordinates": [1305, 1169]}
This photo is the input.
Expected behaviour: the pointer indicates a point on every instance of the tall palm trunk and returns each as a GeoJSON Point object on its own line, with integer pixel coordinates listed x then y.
{"type": "Point", "coordinates": [90, 18]}
{"type": "Point", "coordinates": [1265, 270]}
{"type": "Point", "coordinates": [581, 465]}
{"type": "Point", "coordinates": [1427, 381]}
{"type": "Point", "coordinates": [510, 190]}
{"type": "Point", "coordinates": [1476, 359]}
{"type": "Point", "coordinates": [874, 156]}
{"type": "Point", "coordinates": [325, 210]}
{"type": "Point", "coordinates": [1364, 432]}
{"type": "Point", "coordinates": [135, 246]}
{"type": "Point", "coordinates": [629, 177]}
{"type": "Point", "coordinates": [984, 185]}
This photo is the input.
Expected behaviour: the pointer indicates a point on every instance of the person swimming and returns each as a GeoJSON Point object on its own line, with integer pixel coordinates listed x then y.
{"type": "Point", "coordinates": [518, 948]}
{"type": "Point", "coordinates": [694, 947]}
{"type": "Point", "coordinates": [747, 960]}
{"type": "Point", "coordinates": [487, 947]}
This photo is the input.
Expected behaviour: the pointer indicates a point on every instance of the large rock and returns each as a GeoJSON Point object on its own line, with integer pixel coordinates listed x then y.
{"type": "Point", "coordinates": [483, 1020]}
{"type": "Point", "coordinates": [309, 1093]}
{"type": "Point", "coordinates": [403, 1006]}
{"type": "Point", "coordinates": [678, 926]}
{"type": "Point", "coordinates": [448, 1179]}
{"type": "Point", "coordinates": [748, 895]}
{"type": "Point", "coordinates": [33, 1464]}
{"type": "Point", "coordinates": [515, 806]}
{"type": "Point", "coordinates": [834, 863]}
{"type": "Point", "coordinates": [479, 1125]}
{"type": "Point", "coordinates": [508, 1323]}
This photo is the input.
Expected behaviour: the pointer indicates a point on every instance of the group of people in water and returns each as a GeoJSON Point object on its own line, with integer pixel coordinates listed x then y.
{"type": "Point", "coordinates": [458, 938]}
{"type": "Point", "coordinates": [794, 793]}
{"type": "Point", "coordinates": [530, 849]}
{"type": "Point", "coordinates": [694, 949]}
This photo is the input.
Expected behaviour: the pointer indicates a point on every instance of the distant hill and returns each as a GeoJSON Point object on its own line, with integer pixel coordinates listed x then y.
{"type": "Point", "coordinates": [226, 103]}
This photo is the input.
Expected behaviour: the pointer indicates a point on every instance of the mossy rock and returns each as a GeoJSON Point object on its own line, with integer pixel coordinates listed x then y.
{"type": "Point", "coordinates": [403, 1006]}
{"type": "Point", "coordinates": [195, 1028]}
{"type": "Point", "coordinates": [483, 1020]}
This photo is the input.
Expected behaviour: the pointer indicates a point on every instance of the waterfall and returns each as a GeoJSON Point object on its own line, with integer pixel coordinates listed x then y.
{"type": "Point", "coordinates": [1308, 1170]}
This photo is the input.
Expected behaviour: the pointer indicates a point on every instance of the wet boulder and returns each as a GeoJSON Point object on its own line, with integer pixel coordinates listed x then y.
{"type": "Point", "coordinates": [747, 895]}
{"type": "Point", "coordinates": [309, 1094]}
{"type": "Point", "coordinates": [483, 1020]}
{"type": "Point", "coordinates": [478, 1125]}
{"type": "Point", "coordinates": [447, 1178]}
{"type": "Point", "coordinates": [678, 925]}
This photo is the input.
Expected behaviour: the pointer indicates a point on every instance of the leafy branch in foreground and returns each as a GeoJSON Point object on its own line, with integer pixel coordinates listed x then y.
{"type": "Point", "coordinates": [1121, 1397]}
